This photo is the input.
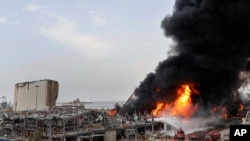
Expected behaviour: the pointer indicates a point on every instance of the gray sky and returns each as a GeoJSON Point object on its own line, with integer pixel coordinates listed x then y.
{"type": "Point", "coordinates": [96, 50]}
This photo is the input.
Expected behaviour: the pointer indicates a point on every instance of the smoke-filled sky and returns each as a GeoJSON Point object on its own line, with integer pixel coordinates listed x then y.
{"type": "Point", "coordinates": [212, 51]}
{"type": "Point", "coordinates": [96, 50]}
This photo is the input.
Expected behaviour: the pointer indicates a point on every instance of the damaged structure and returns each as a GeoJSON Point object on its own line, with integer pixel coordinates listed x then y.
{"type": "Point", "coordinates": [35, 95]}
{"type": "Point", "coordinates": [200, 79]}
{"type": "Point", "coordinates": [72, 124]}
{"type": "Point", "coordinates": [35, 116]}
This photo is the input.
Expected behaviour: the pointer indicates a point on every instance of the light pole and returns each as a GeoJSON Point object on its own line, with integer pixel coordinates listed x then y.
{"type": "Point", "coordinates": [36, 94]}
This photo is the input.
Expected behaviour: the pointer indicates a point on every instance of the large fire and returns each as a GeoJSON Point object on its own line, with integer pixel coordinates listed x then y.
{"type": "Point", "coordinates": [182, 106]}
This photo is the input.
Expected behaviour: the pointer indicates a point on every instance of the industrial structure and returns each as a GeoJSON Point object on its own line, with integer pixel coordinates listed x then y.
{"type": "Point", "coordinates": [79, 124]}
{"type": "Point", "coordinates": [35, 116]}
{"type": "Point", "coordinates": [36, 95]}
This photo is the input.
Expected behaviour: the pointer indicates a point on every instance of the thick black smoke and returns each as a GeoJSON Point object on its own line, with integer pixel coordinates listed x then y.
{"type": "Point", "coordinates": [212, 48]}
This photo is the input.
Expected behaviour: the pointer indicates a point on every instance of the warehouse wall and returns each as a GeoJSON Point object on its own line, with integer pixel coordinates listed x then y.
{"type": "Point", "coordinates": [39, 95]}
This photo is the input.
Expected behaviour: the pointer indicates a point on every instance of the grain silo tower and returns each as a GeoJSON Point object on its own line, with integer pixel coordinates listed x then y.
{"type": "Point", "coordinates": [35, 95]}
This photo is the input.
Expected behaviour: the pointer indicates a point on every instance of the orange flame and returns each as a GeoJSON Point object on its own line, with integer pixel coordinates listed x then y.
{"type": "Point", "coordinates": [182, 106]}
{"type": "Point", "coordinates": [158, 108]}
{"type": "Point", "coordinates": [112, 112]}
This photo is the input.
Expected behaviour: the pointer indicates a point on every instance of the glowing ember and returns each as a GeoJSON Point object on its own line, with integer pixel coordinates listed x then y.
{"type": "Point", "coordinates": [182, 106]}
{"type": "Point", "coordinates": [241, 107]}
{"type": "Point", "coordinates": [225, 116]}
{"type": "Point", "coordinates": [220, 111]}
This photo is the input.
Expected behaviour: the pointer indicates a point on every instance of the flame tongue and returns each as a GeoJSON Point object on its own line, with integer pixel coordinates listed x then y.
{"type": "Point", "coordinates": [182, 106]}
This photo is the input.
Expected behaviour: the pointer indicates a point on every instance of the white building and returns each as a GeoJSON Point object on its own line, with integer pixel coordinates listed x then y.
{"type": "Point", "coordinates": [35, 95]}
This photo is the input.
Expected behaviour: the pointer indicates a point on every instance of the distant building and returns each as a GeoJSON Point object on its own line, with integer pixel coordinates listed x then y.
{"type": "Point", "coordinates": [4, 102]}
{"type": "Point", "coordinates": [35, 95]}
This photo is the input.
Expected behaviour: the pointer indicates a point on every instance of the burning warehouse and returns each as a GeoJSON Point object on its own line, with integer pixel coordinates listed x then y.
{"type": "Point", "coordinates": [207, 65]}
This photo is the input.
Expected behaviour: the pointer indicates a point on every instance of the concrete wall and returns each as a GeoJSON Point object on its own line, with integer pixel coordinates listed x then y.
{"type": "Point", "coordinates": [39, 95]}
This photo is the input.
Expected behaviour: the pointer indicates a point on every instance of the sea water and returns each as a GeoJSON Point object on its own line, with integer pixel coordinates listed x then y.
{"type": "Point", "coordinates": [102, 104]}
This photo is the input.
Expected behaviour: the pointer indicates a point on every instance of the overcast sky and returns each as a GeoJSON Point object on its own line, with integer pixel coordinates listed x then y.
{"type": "Point", "coordinates": [96, 50]}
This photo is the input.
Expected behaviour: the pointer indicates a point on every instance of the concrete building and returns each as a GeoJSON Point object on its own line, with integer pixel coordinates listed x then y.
{"type": "Point", "coordinates": [35, 95]}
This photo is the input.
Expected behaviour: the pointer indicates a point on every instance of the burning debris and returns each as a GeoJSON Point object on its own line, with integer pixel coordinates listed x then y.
{"type": "Point", "coordinates": [203, 74]}
{"type": "Point", "coordinates": [115, 110]}
{"type": "Point", "coordinates": [182, 106]}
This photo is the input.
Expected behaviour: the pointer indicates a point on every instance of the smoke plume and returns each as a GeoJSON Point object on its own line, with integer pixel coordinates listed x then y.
{"type": "Point", "coordinates": [212, 49]}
